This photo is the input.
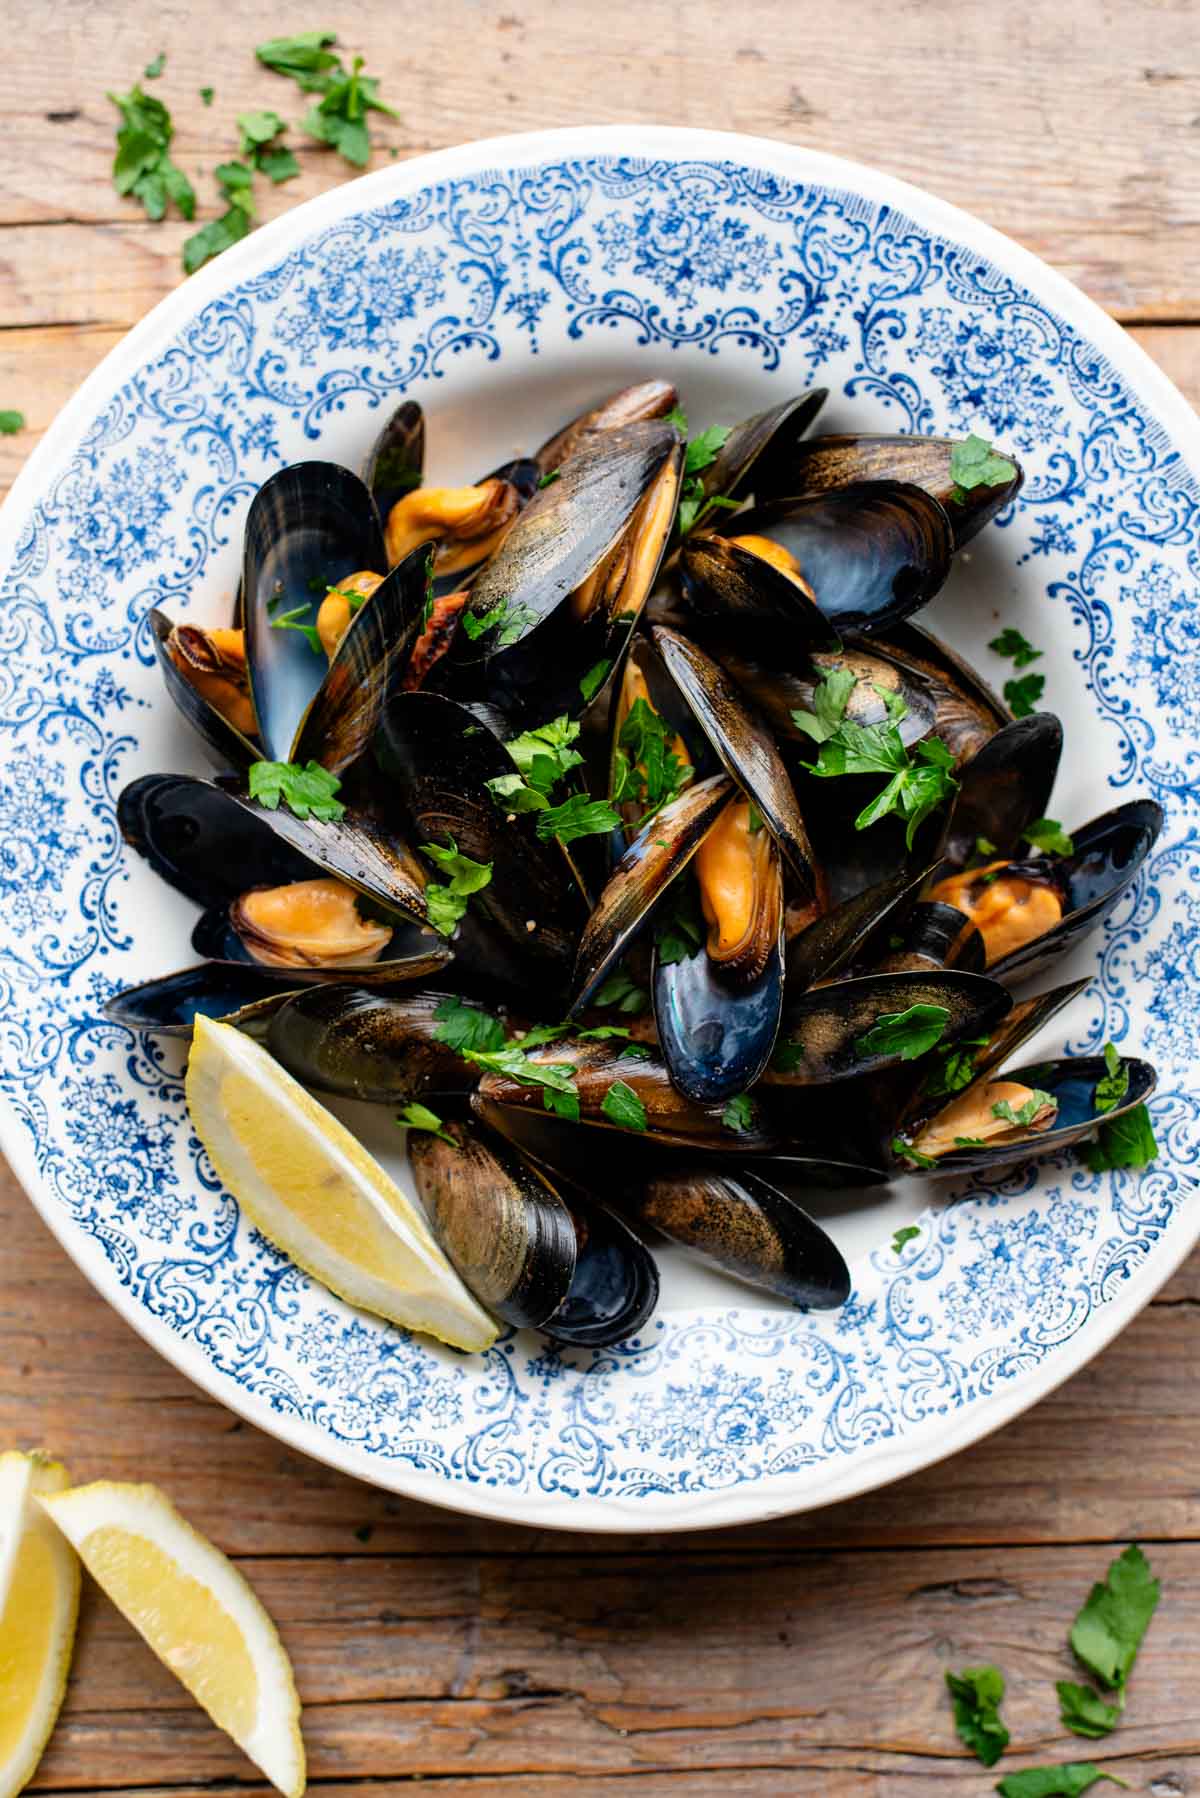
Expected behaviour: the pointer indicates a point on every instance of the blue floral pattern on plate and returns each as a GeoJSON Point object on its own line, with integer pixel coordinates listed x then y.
{"type": "Point", "coordinates": [667, 257]}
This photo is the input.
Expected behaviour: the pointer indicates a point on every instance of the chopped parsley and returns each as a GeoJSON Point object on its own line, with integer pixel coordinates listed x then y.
{"type": "Point", "coordinates": [206, 94]}
{"type": "Point", "coordinates": [544, 756]}
{"type": "Point", "coordinates": [678, 926]}
{"type": "Point", "coordinates": [621, 1106]}
{"type": "Point", "coordinates": [1011, 643]}
{"type": "Point", "coordinates": [548, 480]}
{"type": "Point", "coordinates": [788, 1056]}
{"type": "Point", "coordinates": [1068, 1781]}
{"type": "Point", "coordinates": [556, 1079]}
{"type": "Point", "coordinates": [1048, 835]}
{"type": "Point", "coordinates": [593, 680]}
{"type": "Point", "coordinates": [631, 1051]}
{"type": "Point", "coordinates": [906, 1152]}
{"type": "Point", "coordinates": [309, 792]}
{"type": "Point", "coordinates": [259, 130]}
{"type": "Point", "coordinates": [738, 1115]}
{"type": "Point", "coordinates": [1125, 1141]}
{"type": "Point", "coordinates": [306, 59]}
{"type": "Point", "coordinates": [916, 784]}
{"type": "Point", "coordinates": [1106, 1636]}
{"type": "Point", "coordinates": [974, 463]}
{"type": "Point", "coordinates": [447, 901]}
{"type": "Point", "coordinates": [142, 166]}
{"type": "Point", "coordinates": [621, 991]}
{"type": "Point", "coordinates": [956, 1069]}
{"type": "Point", "coordinates": [646, 770]}
{"type": "Point", "coordinates": [1114, 1083]}
{"type": "Point", "coordinates": [755, 821]}
{"type": "Point", "coordinates": [419, 1117]}
{"type": "Point", "coordinates": [236, 182]}
{"type": "Point", "coordinates": [154, 69]}
{"type": "Point", "coordinates": [907, 1033]}
{"type": "Point", "coordinates": [461, 1026]}
{"type": "Point", "coordinates": [977, 1693]}
{"type": "Point", "coordinates": [701, 452]}
{"type": "Point", "coordinates": [578, 816]}
{"type": "Point", "coordinates": [984, 846]}
{"type": "Point", "coordinates": [1037, 1101]}
{"type": "Point", "coordinates": [293, 621]}
{"type": "Point", "coordinates": [1023, 695]}
{"type": "Point", "coordinates": [507, 619]}
{"type": "Point", "coordinates": [11, 423]}
{"type": "Point", "coordinates": [909, 1233]}
{"type": "Point", "coordinates": [340, 117]}
{"type": "Point", "coordinates": [1084, 1712]}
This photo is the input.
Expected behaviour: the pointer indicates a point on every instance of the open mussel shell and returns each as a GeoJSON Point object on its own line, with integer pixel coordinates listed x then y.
{"type": "Point", "coordinates": [827, 464]}
{"type": "Point", "coordinates": [746, 749]}
{"type": "Point", "coordinates": [778, 691]}
{"type": "Point", "coordinates": [870, 554]}
{"type": "Point", "coordinates": [308, 527]}
{"type": "Point", "coordinates": [727, 583]}
{"type": "Point", "coordinates": [934, 936]}
{"type": "Point", "coordinates": [1108, 855]}
{"type": "Point", "coordinates": [671, 1120]}
{"type": "Point", "coordinates": [535, 1255]}
{"type": "Point", "coordinates": [437, 757]}
{"type": "Point", "coordinates": [413, 953]}
{"type": "Point", "coordinates": [748, 1228]}
{"type": "Point", "coordinates": [629, 406]}
{"type": "Point", "coordinates": [643, 677]}
{"type": "Point", "coordinates": [849, 934]}
{"type": "Point", "coordinates": [170, 1005]}
{"type": "Point", "coordinates": [1072, 1082]}
{"type": "Point", "coordinates": [655, 858]}
{"type": "Point", "coordinates": [758, 455]}
{"type": "Point", "coordinates": [230, 748]}
{"type": "Point", "coordinates": [369, 664]}
{"type": "Point", "coordinates": [396, 459]}
{"type": "Point", "coordinates": [364, 1045]}
{"type": "Point", "coordinates": [966, 710]}
{"type": "Point", "coordinates": [1003, 789]}
{"type": "Point", "coordinates": [559, 597]}
{"type": "Point", "coordinates": [827, 1030]}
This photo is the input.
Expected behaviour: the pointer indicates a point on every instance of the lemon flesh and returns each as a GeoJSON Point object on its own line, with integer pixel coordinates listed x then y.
{"type": "Point", "coordinates": [312, 1189]}
{"type": "Point", "coordinates": [197, 1613]}
{"type": "Point", "coordinates": [39, 1601]}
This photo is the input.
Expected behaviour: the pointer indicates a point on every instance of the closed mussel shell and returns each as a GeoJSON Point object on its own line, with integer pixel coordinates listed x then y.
{"type": "Point", "coordinates": [759, 454]}
{"type": "Point", "coordinates": [748, 1228]}
{"type": "Point", "coordinates": [395, 461]}
{"type": "Point", "coordinates": [629, 406]}
{"type": "Point", "coordinates": [170, 1005]}
{"type": "Point", "coordinates": [364, 1045]}
{"type": "Point", "coordinates": [1003, 788]}
{"type": "Point", "coordinates": [826, 464]}
{"type": "Point", "coordinates": [725, 582]}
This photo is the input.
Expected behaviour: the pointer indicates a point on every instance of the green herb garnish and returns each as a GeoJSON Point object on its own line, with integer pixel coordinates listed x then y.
{"type": "Point", "coordinates": [236, 182]}
{"type": "Point", "coordinates": [142, 166]}
{"type": "Point", "coordinates": [984, 846]}
{"type": "Point", "coordinates": [1084, 1712]}
{"type": "Point", "coordinates": [701, 453]}
{"type": "Point", "coordinates": [447, 902]}
{"type": "Point", "coordinates": [1068, 1781]}
{"type": "Point", "coordinates": [632, 1051]}
{"type": "Point", "coordinates": [1125, 1141]}
{"type": "Point", "coordinates": [557, 1079]}
{"type": "Point", "coordinates": [1048, 835]}
{"type": "Point", "coordinates": [1037, 1101]}
{"type": "Point", "coordinates": [646, 770]}
{"type": "Point", "coordinates": [419, 1117]}
{"type": "Point", "coordinates": [258, 132]}
{"type": "Point", "coordinates": [1022, 695]}
{"type": "Point", "coordinates": [1114, 1618]}
{"type": "Point", "coordinates": [11, 423]}
{"type": "Point", "coordinates": [593, 680]}
{"type": "Point", "coordinates": [292, 621]}
{"type": "Point", "coordinates": [909, 1233]}
{"type": "Point", "coordinates": [678, 926]}
{"type": "Point", "coordinates": [308, 791]}
{"type": "Point", "coordinates": [154, 69]}
{"type": "Point", "coordinates": [578, 816]}
{"type": "Point", "coordinates": [621, 1106]}
{"type": "Point", "coordinates": [305, 58]}
{"type": "Point", "coordinates": [907, 1033]}
{"type": "Point", "coordinates": [787, 1056]}
{"type": "Point", "coordinates": [956, 1068]}
{"type": "Point", "coordinates": [974, 463]}
{"type": "Point", "coordinates": [906, 1152]}
{"type": "Point", "coordinates": [548, 480]}
{"type": "Point", "coordinates": [623, 992]}
{"type": "Point", "coordinates": [461, 1026]}
{"type": "Point", "coordinates": [507, 619]}
{"type": "Point", "coordinates": [917, 784]}
{"type": "Point", "coordinates": [1112, 1085]}
{"type": "Point", "coordinates": [1010, 642]}
{"type": "Point", "coordinates": [340, 118]}
{"type": "Point", "coordinates": [206, 94]}
{"type": "Point", "coordinates": [738, 1115]}
{"type": "Point", "coordinates": [977, 1693]}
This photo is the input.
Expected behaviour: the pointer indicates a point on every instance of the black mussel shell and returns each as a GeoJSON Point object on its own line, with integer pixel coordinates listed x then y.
{"type": "Point", "coordinates": [657, 855]}
{"type": "Point", "coordinates": [826, 1032]}
{"type": "Point", "coordinates": [778, 691]}
{"type": "Point", "coordinates": [1003, 789]}
{"type": "Point", "coordinates": [308, 527]}
{"type": "Point", "coordinates": [170, 1005]}
{"type": "Point", "coordinates": [396, 459]}
{"type": "Point", "coordinates": [615, 1285]}
{"type": "Point", "coordinates": [966, 709]}
{"type": "Point", "coordinates": [820, 1172]}
{"type": "Point", "coordinates": [851, 933]}
{"type": "Point", "coordinates": [757, 455]}
{"type": "Point", "coordinates": [871, 554]}
{"type": "Point", "coordinates": [934, 935]}
{"type": "Point", "coordinates": [748, 1228]}
{"type": "Point", "coordinates": [202, 842]}
{"type": "Point", "coordinates": [364, 1045]}
{"type": "Point", "coordinates": [716, 1037]}
{"type": "Point", "coordinates": [827, 464]}
{"type": "Point", "coordinates": [728, 584]}
{"type": "Point", "coordinates": [230, 748]}
{"type": "Point", "coordinates": [438, 757]}
{"type": "Point", "coordinates": [414, 953]}
{"type": "Point", "coordinates": [630, 406]}
{"type": "Point", "coordinates": [370, 662]}
{"type": "Point", "coordinates": [747, 750]}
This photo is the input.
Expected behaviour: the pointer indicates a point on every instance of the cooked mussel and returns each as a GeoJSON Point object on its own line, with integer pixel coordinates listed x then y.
{"type": "Point", "coordinates": [206, 675]}
{"type": "Point", "coordinates": [170, 1005]}
{"type": "Point", "coordinates": [1003, 789]}
{"type": "Point", "coordinates": [362, 1044]}
{"type": "Point", "coordinates": [538, 1255]}
{"type": "Point", "coordinates": [396, 459]}
{"type": "Point", "coordinates": [316, 930]}
{"type": "Point", "coordinates": [465, 525]}
{"type": "Point", "coordinates": [746, 1227]}
{"type": "Point", "coordinates": [629, 406]}
{"type": "Point", "coordinates": [1031, 912]}
{"type": "Point", "coordinates": [758, 454]}
{"type": "Point", "coordinates": [828, 464]}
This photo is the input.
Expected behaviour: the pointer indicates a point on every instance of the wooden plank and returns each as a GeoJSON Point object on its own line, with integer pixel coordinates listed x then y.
{"type": "Point", "coordinates": [623, 1667]}
{"type": "Point", "coordinates": [1108, 1457]}
{"type": "Point", "coordinates": [1163, 1776]}
{"type": "Point", "coordinates": [1072, 129]}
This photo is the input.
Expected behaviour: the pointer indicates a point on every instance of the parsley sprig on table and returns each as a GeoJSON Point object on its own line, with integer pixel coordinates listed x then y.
{"type": "Point", "coordinates": [977, 1693]}
{"type": "Point", "coordinates": [347, 95]}
{"type": "Point", "coordinates": [142, 166]}
{"type": "Point", "coordinates": [11, 423]}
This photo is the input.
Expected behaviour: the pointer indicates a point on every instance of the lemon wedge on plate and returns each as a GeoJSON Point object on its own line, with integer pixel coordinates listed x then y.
{"type": "Point", "coordinates": [197, 1613]}
{"type": "Point", "coordinates": [39, 1600]}
{"type": "Point", "coordinates": [305, 1182]}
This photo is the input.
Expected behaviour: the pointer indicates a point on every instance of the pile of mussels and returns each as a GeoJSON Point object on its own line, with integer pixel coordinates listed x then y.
{"type": "Point", "coordinates": [722, 938]}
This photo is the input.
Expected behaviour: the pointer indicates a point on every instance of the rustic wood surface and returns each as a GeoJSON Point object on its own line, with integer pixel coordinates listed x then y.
{"type": "Point", "coordinates": [802, 1656]}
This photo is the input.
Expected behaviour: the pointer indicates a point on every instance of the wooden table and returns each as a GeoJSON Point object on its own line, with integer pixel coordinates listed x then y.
{"type": "Point", "coordinates": [801, 1657]}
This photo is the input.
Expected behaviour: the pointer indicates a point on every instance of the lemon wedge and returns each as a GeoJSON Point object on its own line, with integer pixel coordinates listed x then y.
{"type": "Point", "coordinates": [313, 1190]}
{"type": "Point", "coordinates": [197, 1613]}
{"type": "Point", "coordinates": [39, 1600]}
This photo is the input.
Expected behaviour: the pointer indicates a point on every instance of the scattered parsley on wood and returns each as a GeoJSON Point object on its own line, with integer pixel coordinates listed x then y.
{"type": "Point", "coordinates": [977, 1693]}
{"type": "Point", "coordinates": [1048, 835]}
{"type": "Point", "coordinates": [907, 1033]}
{"type": "Point", "coordinates": [260, 132]}
{"type": "Point", "coordinates": [308, 791]}
{"type": "Point", "coordinates": [447, 901]}
{"type": "Point", "coordinates": [909, 1234]}
{"type": "Point", "coordinates": [461, 1026]}
{"type": "Point", "coordinates": [974, 463]}
{"type": "Point", "coordinates": [142, 166]}
{"type": "Point", "coordinates": [1022, 696]}
{"type": "Point", "coordinates": [621, 1106]}
{"type": "Point", "coordinates": [1068, 1781]}
{"type": "Point", "coordinates": [419, 1117]}
{"type": "Point", "coordinates": [738, 1115]}
{"type": "Point", "coordinates": [11, 423]}
{"type": "Point", "coordinates": [1084, 1712]}
{"type": "Point", "coordinates": [206, 94]}
{"type": "Point", "coordinates": [154, 69]}
{"type": "Point", "coordinates": [236, 183]}
{"type": "Point", "coordinates": [340, 118]}
{"type": "Point", "coordinates": [306, 59]}
{"type": "Point", "coordinates": [1114, 1618]}
{"type": "Point", "coordinates": [1011, 643]}
{"type": "Point", "coordinates": [917, 783]}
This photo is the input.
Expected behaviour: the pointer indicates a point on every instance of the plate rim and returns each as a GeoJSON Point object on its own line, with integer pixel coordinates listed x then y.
{"type": "Point", "coordinates": [934, 1440]}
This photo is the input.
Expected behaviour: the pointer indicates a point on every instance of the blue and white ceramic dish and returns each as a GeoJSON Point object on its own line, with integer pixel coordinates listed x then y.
{"type": "Point", "coordinates": [505, 285]}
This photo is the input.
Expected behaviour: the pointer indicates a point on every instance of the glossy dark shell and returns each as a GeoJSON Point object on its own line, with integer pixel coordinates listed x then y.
{"type": "Point", "coordinates": [202, 842]}
{"type": "Point", "coordinates": [629, 406]}
{"type": "Point", "coordinates": [362, 1045]}
{"type": "Point", "coordinates": [230, 749]}
{"type": "Point", "coordinates": [826, 464]}
{"type": "Point", "coordinates": [1003, 789]}
{"type": "Point", "coordinates": [308, 527]}
{"type": "Point", "coordinates": [396, 459]}
{"type": "Point", "coordinates": [934, 935]}
{"type": "Point", "coordinates": [615, 1285]}
{"type": "Point", "coordinates": [413, 954]}
{"type": "Point", "coordinates": [759, 454]}
{"type": "Point", "coordinates": [170, 1005]}
{"type": "Point", "coordinates": [967, 711]}
{"type": "Point", "coordinates": [830, 1022]}
{"type": "Point", "coordinates": [871, 553]}
{"type": "Point", "coordinates": [746, 594]}
{"type": "Point", "coordinates": [748, 1228]}
{"type": "Point", "coordinates": [848, 933]}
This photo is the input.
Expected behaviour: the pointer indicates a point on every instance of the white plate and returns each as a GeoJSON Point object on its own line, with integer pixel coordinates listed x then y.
{"type": "Point", "coordinates": [504, 285]}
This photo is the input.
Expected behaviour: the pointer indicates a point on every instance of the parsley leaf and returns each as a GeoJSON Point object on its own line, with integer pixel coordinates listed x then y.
{"type": "Point", "coordinates": [578, 816]}
{"type": "Point", "coordinates": [142, 166]}
{"type": "Point", "coordinates": [206, 94]}
{"type": "Point", "coordinates": [236, 182]}
{"type": "Point", "coordinates": [1010, 642]}
{"type": "Point", "coordinates": [677, 418]}
{"type": "Point", "coordinates": [909, 1233]}
{"type": "Point", "coordinates": [1084, 1712]}
{"type": "Point", "coordinates": [977, 1693]}
{"type": "Point", "coordinates": [1125, 1141]}
{"type": "Point", "coordinates": [557, 1079]}
{"type": "Point", "coordinates": [593, 680]}
{"type": "Point", "coordinates": [906, 1152]}
{"type": "Point", "coordinates": [512, 794]}
{"type": "Point", "coordinates": [1112, 1085]}
{"type": "Point", "coordinates": [787, 1056]}
{"type": "Point", "coordinates": [1108, 1631]}
{"type": "Point", "coordinates": [419, 1117]}
{"type": "Point", "coordinates": [11, 423]}
{"type": "Point", "coordinates": [974, 463]}
{"type": "Point", "coordinates": [700, 453]}
{"type": "Point", "coordinates": [548, 480]}
{"type": "Point", "coordinates": [917, 784]}
{"type": "Point", "coordinates": [461, 1026]}
{"type": "Point", "coordinates": [306, 58]}
{"type": "Point", "coordinates": [678, 927]}
{"type": "Point", "coordinates": [1048, 834]}
{"type": "Point", "coordinates": [544, 754]}
{"type": "Point", "coordinates": [646, 770]}
{"type": "Point", "coordinates": [308, 791]}
{"type": "Point", "coordinates": [738, 1115]}
{"type": "Point", "coordinates": [290, 621]}
{"type": "Point", "coordinates": [829, 705]}
{"type": "Point", "coordinates": [956, 1069]}
{"type": "Point", "coordinates": [1022, 695]}
{"type": "Point", "coordinates": [1037, 1101]}
{"type": "Point", "coordinates": [506, 618]}
{"type": "Point", "coordinates": [340, 118]}
{"type": "Point", "coordinates": [154, 69]}
{"type": "Point", "coordinates": [907, 1033]}
{"type": "Point", "coordinates": [621, 1106]}
{"type": "Point", "coordinates": [984, 846]}
{"type": "Point", "coordinates": [620, 990]}
{"type": "Point", "coordinates": [631, 1051]}
{"type": "Point", "coordinates": [258, 133]}
{"type": "Point", "coordinates": [448, 902]}
{"type": "Point", "coordinates": [1067, 1781]}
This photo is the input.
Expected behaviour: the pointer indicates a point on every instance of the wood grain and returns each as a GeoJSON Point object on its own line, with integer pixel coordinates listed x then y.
{"type": "Point", "coordinates": [802, 1656]}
